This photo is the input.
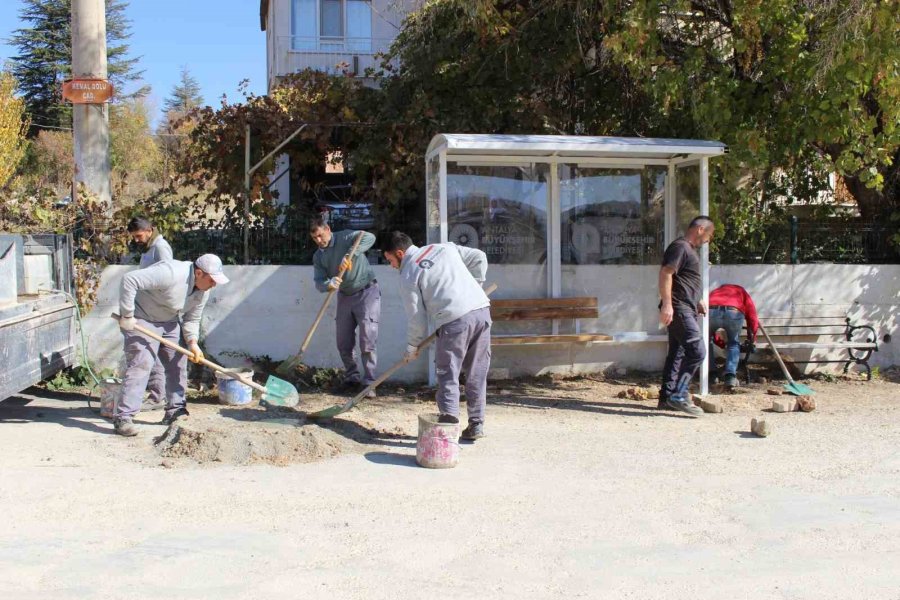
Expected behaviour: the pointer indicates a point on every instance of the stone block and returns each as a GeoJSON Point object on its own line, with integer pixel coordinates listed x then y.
{"type": "Point", "coordinates": [498, 374]}
{"type": "Point", "coordinates": [806, 403]}
{"type": "Point", "coordinates": [774, 391]}
{"type": "Point", "coordinates": [759, 427]}
{"type": "Point", "coordinates": [786, 404]}
{"type": "Point", "coordinates": [710, 406]}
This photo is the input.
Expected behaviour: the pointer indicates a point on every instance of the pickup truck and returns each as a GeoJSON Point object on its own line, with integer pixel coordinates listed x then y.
{"type": "Point", "coordinates": [37, 320]}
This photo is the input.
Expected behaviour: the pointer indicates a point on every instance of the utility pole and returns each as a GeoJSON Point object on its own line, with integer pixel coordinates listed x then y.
{"type": "Point", "coordinates": [90, 120]}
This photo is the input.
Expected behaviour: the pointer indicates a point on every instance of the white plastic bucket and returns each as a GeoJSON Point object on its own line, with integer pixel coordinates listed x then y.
{"type": "Point", "coordinates": [438, 443]}
{"type": "Point", "coordinates": [231, 391]}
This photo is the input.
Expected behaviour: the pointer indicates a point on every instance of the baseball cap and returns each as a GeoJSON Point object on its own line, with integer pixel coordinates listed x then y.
{"type": "Point", "coordinates": [212, 266]}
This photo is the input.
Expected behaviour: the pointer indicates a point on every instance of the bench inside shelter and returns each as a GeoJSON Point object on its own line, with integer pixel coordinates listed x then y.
{"type": "Point", "coordinates": [552, 309]}
{"type": "Point", "coordinates": [837, 334]}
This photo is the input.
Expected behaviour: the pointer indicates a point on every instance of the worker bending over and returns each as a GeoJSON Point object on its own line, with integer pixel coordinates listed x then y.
{"type": "Point", "coordinates": [166, 298]}
{"type": "Point", "coordinates": [442, 282]}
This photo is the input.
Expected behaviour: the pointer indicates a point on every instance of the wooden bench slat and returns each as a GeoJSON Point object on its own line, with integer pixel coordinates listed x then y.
{"type": "Point", "coordinates": [579, 302]}
{"type": "Point", "coordinates": [543, 313]}
{"type": "Point", "coordinates": [513, 340]}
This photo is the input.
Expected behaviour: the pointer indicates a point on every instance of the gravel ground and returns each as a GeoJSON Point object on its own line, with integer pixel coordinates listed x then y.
{"type": "Point", "coordinates": [575, 493]}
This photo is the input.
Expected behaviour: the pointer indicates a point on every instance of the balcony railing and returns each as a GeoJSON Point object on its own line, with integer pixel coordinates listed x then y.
{"type": "Point", "coordinates": [332, 55]}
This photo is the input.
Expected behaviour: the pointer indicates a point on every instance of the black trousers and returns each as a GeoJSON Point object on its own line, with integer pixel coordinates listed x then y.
{"type": "Point", "coordinates": [686, 354]}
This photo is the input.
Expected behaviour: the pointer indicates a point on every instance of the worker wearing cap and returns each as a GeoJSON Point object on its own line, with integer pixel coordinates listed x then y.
{"type": "Point", "coordinates": [166, 298]}
{"type": "Point", "coordinates": [359, 298]}
{"type": "Point", "coordinates": [154, 248]}
{"type": "Point", "coordinates": [442, 283]}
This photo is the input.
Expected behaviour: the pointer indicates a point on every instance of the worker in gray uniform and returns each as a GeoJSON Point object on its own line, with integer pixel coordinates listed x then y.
{"type": "Point", "coordinates": [442, 282]}
{"type": "Point", "coordinates": [166, 298]}
{"type": "Point", "coordinates": [359, 298]}
{"type": "Point", "coordinates": [154, 248]}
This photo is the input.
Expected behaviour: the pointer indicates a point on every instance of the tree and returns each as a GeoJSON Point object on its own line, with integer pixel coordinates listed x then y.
{"type": "Point", "coordinates": [13, 126]}
{"type": "Point", "coordinates": [135, 158]}
{"type": "Point", "coordinates": [44, 56]}
{"type": "Point", "coordinates": [185, 95]}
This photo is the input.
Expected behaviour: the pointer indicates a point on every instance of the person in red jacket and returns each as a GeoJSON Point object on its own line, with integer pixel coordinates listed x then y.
{"type": "Point", "coordinates": [729, 306]}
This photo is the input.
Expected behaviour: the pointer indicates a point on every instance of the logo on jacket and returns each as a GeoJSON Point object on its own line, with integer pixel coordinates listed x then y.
{"type": "Point", "coordinates": [425, 264]}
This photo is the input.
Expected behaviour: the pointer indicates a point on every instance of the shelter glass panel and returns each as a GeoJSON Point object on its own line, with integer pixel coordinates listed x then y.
{"type": "Point", "coordinates": [502, 210]}
{"type": "Point", "coordinates": [687, 196]}
{"type": "Point", "coordinates": [612, 216]}
{"type": "Point", "coordinates": [433, 199]}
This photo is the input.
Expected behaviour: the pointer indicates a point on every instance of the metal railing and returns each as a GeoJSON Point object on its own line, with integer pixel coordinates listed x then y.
{"type": "Point", "coordinates": [332, 55]}
{"type": "Point", "coordinates": [799, 241]}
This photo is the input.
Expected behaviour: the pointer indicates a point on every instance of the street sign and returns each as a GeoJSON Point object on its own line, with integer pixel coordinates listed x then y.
{"type": "Point", "coordinates": [87, 91]}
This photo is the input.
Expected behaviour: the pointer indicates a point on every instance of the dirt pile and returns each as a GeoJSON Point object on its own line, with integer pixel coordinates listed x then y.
{"type": "Point", "coordinates": [278, 443]}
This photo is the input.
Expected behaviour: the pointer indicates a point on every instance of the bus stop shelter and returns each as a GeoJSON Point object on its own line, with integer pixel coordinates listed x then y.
{"type": "Point", "coordinates": [562, 216]}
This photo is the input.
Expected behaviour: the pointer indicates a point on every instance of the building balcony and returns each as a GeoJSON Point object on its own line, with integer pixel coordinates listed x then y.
{"type": "Point", "coordinates": [331, 55]}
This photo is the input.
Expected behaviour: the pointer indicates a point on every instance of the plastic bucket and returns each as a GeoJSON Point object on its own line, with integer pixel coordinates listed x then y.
{"type": "Point", "coordinates": [231, 391]}
{"type": "Point", "coordinates": [438, 443]}
{"type": "Point", "coordinates": [110, 397]}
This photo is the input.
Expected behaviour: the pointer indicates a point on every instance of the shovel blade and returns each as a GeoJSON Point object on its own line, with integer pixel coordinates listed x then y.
{"type": "Point", "coordinates": [281, 393]}
{"type": "Point", "coordinates": [327, 413]}
{"type": "Point", "coordinates": [798, 389]}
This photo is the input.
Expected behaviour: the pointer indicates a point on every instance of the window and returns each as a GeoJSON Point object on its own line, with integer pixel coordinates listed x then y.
{"type": "Point", "coordinates": [612, 216]}
{"type": "Point", "coordinates": [331, 25]}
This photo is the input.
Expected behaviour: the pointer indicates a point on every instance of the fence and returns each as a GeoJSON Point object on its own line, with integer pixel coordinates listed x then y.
{"type": "Point", "coordinates": [796, 241]}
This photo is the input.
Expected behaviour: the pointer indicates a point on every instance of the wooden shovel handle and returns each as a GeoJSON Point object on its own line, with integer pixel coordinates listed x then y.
{"type": "Point", "coordinates": [328, 298]}
{"type": "Point", "coordinates": [784, 369]}
{"type": "Point", "coordinates": [190, 354]}
{"type": "Point", "coordinates": [406, 359]}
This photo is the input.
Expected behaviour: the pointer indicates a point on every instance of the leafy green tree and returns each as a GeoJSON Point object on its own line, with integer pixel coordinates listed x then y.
{"type": "Point", "coordinates": [185, 94]}
{"type": "Point", "coordinates": [13, 125]}
{"type": "Point", "coordinates": [44, 55]}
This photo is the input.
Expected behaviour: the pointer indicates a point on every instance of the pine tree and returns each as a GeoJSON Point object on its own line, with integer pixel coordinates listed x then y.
{"type": "Point", "coordinates": [185, 95]}
{"type": "Point", "coordinates": [44, 58]}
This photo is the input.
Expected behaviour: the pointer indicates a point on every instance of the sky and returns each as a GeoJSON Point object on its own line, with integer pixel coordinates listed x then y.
{"type": "Point", "coordinates": [219, 41]}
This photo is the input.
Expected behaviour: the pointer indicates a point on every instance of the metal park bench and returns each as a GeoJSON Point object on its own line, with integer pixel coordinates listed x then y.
{"type": "Point", "coordinates": [839, 333]}
{"type": "Point", "coordinates": [535, 309]}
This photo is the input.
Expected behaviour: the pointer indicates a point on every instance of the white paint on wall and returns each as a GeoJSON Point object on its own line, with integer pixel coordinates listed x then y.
{"type": "Point", "coordinates": [267, 310]}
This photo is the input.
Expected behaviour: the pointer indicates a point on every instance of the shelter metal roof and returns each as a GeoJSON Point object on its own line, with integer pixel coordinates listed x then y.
{"type": "Point", "coordinates": [572, 146]}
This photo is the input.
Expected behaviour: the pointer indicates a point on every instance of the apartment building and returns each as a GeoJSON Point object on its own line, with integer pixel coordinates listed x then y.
{"type": "Point", "coordinates": [328, 35]}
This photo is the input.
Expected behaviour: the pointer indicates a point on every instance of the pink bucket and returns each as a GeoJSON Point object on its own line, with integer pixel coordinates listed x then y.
{"type": "Point", "coordinates": [438, 443]}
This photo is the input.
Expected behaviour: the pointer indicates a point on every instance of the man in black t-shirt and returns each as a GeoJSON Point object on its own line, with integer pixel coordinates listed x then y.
{"type": "Point", "coordinates": [680, 288]}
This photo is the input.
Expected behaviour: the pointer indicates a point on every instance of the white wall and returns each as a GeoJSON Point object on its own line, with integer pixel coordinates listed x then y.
{"type": "Point", "coordinates": [267, 310]}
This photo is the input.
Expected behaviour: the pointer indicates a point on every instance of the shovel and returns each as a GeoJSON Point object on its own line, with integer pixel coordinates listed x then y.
{"type": "Point", "coordinates": [277, 391]}
{"type": "Point", "coordinates": [337, 409]}
{"type": "Point", "coordinates": [290, 363]}
{"type": "Point", "coordinates": [791, 387]}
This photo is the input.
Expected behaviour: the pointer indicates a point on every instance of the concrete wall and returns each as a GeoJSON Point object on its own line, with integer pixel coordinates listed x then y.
{"type": "Point", "coordinates": [267, 310]}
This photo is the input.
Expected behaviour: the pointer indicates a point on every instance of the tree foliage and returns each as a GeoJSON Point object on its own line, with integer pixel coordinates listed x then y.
{"type": "Point", "coordinates": [44, 55]}
{"type": "Point", "coordinates": [185, 95]}
{"type": "Point", "coordinates": [13, 127]}
{"type": "Point", "coordinates": [797, 89]}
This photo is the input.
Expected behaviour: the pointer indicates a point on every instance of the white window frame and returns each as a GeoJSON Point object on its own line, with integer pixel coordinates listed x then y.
{"type": "Point", "coordinates": [322, 39]}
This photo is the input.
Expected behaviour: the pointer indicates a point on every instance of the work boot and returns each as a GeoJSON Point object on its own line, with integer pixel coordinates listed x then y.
{"type": "Point", "coordinates": [473, 432]}
{"type": "Point", "coordinates": [448, 419]}
{"type": "Point", "coordinates": [683, 404]}
{"type": "Point", "coordinates": [731, 381]}
{"type": "Point", "coordinates": [125, 427]}
{"type": "Point", "coordinates": [662, 404]}
{"type": "Point", "coordinates": [348, 387]}
{"type": "Point", "coordinates": [149, 404]}
{"type": "Point", "coordinates": [171, 417]}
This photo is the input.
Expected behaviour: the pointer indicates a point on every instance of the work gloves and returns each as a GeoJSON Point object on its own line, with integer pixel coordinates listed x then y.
{"type": "Point", "coordinates": [196, 351]}
{"type": "Point", "coordinates": [411, 352]}
{"type": "Point", "coordinates": [127, 323]}
{"type": "Point", "coordinates": [346, 264]}
{"type": "Point", "coordinates": [333, 283]}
